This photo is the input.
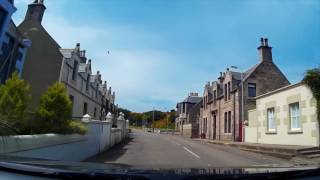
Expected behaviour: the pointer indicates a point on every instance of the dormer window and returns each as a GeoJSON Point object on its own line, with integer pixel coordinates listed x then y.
{"type": "Point", "coordinates": [252, 90]}
{"type": "Point", "coordinates": [74, 70]}
{"type": "Point", "coordinates": [225, 92]}
{"type": "Point", "coordinates": [229, 89]}
{"type": "Point", "coordinates": [87, 83]}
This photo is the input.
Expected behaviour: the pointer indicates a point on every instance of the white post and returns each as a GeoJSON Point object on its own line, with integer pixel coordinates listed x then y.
{"type": "Point", "coordinates": [120, 124]}
{"type": "Point", "coordinates": [86, 118]}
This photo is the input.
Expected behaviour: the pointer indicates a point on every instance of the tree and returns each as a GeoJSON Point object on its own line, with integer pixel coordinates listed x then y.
{"type": "Point", "coordinates": [55, 110]}
{"type": "Point", "coordinates": [312, 80]}
{"type": "Point", "coordinates": [14, 98]}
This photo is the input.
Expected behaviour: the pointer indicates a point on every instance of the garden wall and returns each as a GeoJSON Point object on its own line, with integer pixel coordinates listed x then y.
{"type": "Point", "coordinates": [100, 137]}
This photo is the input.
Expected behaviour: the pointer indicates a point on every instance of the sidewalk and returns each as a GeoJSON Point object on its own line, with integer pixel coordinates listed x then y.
{"type": "Point", "coordinates": [281, 151]}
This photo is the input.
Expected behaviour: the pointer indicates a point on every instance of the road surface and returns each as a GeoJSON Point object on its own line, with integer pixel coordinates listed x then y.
{"type": "Point", "coordinates": [151, 150]}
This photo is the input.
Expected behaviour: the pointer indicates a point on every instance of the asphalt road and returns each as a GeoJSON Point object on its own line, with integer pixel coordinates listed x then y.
{"type": "Point", "coordinates": [150, 150]}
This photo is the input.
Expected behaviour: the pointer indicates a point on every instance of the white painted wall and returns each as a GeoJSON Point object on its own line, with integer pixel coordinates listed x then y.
{"type": "Point", "coordinates": [99, 138]}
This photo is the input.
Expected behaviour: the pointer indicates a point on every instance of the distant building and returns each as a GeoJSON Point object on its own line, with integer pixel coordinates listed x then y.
{"type": "Point", "coordinates": [222, 99]}
{"type": "Point", "coordinates": [187, 114]}
{"type": "Point", "coordinates": [286, 116]}
{"type": "Point", "coordinates": [48, 63]}
{"type": "Point", "coordinates": [13, 45]}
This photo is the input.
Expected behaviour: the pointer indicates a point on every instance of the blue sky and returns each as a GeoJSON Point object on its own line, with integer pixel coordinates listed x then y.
{"type": "Point", "coordinates": [162, 50]}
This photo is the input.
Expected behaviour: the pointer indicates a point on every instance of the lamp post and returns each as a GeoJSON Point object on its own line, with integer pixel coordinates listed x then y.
{"type": "Point", "coordinates": [242, 100]}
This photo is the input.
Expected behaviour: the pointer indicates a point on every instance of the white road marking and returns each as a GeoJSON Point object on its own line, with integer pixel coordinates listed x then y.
{"type": "Point", "coordinates": [176, 143]}
{"type": "Point", "coordinates": [191, 152]}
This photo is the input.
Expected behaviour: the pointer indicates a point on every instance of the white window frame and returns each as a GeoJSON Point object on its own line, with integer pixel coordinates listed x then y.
{"type": "Point", "coordinates": [271, 117]}
{"type": "Point", "coordinates": [294, 114]}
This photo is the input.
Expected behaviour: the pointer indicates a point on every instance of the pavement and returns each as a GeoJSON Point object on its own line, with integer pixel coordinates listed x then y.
{"type": "Point", "coordinates": [151, 150]}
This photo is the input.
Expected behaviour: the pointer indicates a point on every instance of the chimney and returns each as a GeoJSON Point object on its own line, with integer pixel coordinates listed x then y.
{"type": "Point", "coordinates": [265, 53]}
{"type": "Point", "coordinates": [78, 47]}
{"type": "Point", "coordinates": [35, 11]}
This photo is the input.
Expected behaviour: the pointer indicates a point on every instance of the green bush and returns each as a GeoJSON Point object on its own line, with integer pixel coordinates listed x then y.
{"type": "Point", "coordinates": [76, 127]}
{"type": "Point", "coordinates": [312, 80]}
{"type": "Point", "coordinates": [14, 98]}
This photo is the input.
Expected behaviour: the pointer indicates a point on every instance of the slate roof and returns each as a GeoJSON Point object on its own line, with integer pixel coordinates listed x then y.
{"type": "Point", "coordinates": [192, 99]}
{"type": "Point", "coordinates": [250, 71]}
{"type": "Point", "coordinates": [236, 75]}
{"type": "Point", "coordinates": [67, 53]}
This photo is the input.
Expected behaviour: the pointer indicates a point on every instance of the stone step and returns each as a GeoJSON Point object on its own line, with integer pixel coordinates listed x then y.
{"type": "Point", "coordinates": [311, 156]}
{"type": "Point", "coordinates": [271, 153]}
{"type": "Point", "coordinates": [307, 152]}
{"type": "Point", "coordinates": [308, 149]}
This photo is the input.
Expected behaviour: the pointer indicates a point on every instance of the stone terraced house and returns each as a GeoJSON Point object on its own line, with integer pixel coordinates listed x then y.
{"type": "Point", "coordinates": [187, 116]}
{"type": "Point", "coordinates": [47, 63]}
{"type": "Point", "coordinates": [222, 99]}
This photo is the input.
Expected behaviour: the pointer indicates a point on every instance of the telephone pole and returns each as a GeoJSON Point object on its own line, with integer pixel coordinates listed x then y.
{"type": "Point", "coordinates": [153, 120]}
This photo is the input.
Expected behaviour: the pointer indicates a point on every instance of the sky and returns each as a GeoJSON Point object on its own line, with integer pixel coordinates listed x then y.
{"type": "Point", "coordinates": [160, 50]}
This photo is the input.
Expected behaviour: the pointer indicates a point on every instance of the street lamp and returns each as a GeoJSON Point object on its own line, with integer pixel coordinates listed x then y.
{"type": "Point", "coordinates": [242, 98]}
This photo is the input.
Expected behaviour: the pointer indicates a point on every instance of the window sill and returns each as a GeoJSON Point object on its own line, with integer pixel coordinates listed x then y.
{"type": "Point", "coordinates": [295, 132]}
{"type": "Point", "coordinates": [271, 132]}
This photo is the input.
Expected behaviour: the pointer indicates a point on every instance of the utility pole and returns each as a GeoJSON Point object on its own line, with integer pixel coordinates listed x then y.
{"type": "Point", "coordinates": [153, 120]}
{"type": "Point", "coordinates": [165, 109]}
{"type": "Point", "coordinates": [242, 102]}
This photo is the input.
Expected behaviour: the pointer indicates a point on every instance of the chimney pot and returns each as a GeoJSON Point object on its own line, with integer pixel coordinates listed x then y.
{"type": "Point", "coordinates": [265, 53]}
{"type": "Point", "coordinates": [266, 41]}
{"type": "Point", "coordinates": [261, 42]}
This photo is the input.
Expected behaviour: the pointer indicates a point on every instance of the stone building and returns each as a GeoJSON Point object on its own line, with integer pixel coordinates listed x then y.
{"type": "Point", "coordinates": [187, 113]}
{"type": "Point", "coordinates": [286, 116]}
{"type": "Point", "coordinates": [13, 45]}
{"type": "Point", "coordinates": [48, 63]}
{"type": "Point", "coordinates": [222, 116]}
{"type": "Point", "coordinates": [86, 90]}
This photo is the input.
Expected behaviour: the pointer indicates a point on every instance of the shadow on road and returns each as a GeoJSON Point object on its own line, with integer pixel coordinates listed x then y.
{"type": "Point", "coordinates": [113, 153]}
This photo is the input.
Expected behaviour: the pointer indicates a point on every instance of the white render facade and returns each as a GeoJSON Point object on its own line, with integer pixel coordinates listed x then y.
{"type": "Point", "coordinates": [286, 116]}
{"type": "Point", "coordinates": [86, 90]}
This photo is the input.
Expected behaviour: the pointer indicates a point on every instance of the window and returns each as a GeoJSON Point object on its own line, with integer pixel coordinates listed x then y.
{"type": "Point", "coordinates": [229, 89]}
{"type": "Point", "coordinates": [229, 122]}
{"type": "Point", "coordinates": [3, 16]}
{"type": "Point", "coordinates": [87, 82]}
{"type": "Point", "coordinates": [85, 108]}
{"type": "Point", "coordinates": [225, 92]}
{"type": "Point", "coordinates": [74, 70]}
{"type": "Point", "coordinates": [294, 116]}
{"type": "Point", "coordinates": [271, 119]}
{"type": "Point", "coordinates": [252, 90]}
{"type": "Point", "coordinates": [183, 108]}
{"type": "Point", "coordinates": [71, 98]}
{"type": "Point", "coordinates": [225, 122]}
{"type": "Point", "coordinates": [95, 112]}
{"type": "Point", "coordinates": [214, 97]}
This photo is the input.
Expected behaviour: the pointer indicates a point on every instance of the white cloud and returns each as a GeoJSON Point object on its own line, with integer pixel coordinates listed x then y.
{"type": "Point", "coordinates": [137, 75]}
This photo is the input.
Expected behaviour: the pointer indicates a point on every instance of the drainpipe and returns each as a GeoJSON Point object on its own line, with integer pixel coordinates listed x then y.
{"type": "Point", "coordinates": [219, 120]}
